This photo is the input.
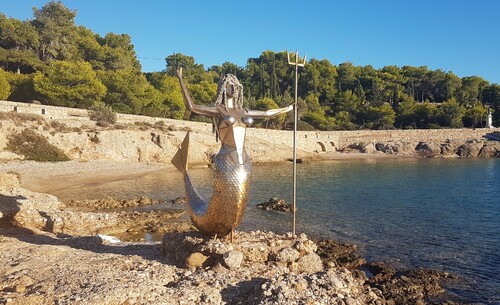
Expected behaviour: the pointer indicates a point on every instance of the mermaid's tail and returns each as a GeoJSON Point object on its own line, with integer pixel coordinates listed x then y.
{"type": "Point", "coordinates": [230, 194]}
{"type": "Point", "coordinates": [180, 158]}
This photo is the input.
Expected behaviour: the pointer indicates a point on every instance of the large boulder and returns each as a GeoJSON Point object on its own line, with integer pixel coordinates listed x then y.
{"type": "Point", "coordinates": [428, 150]}
{"type": "Point", "coordinates": [490, 150]}
{"type": "Point", "coordinates": [469, 149]}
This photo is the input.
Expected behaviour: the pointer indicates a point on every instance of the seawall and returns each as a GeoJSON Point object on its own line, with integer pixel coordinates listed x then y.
{"type": "Point", "coordinates": [401, 142]}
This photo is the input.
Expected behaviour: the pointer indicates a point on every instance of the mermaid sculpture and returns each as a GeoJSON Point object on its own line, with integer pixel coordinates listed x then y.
{"type": "Point", "coordinates": [233, 166]}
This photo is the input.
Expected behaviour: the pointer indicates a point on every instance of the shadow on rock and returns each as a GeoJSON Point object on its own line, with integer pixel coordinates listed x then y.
{"type": "Point", "coordinates": [243, 292]}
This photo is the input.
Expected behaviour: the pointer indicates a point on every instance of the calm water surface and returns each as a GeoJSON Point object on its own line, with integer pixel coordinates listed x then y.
{"type": "Point", "coordinates": [437, 213]}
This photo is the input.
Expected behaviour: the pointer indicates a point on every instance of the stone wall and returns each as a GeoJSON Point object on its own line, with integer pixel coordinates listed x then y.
{"type": "Point", "coordinates": [311, 141]}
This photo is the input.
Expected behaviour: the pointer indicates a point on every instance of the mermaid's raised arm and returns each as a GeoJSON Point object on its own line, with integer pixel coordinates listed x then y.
{"type": "Point", "coordinates": [259, 114]}
{"type": "Point", "coordinates": [210, 111]}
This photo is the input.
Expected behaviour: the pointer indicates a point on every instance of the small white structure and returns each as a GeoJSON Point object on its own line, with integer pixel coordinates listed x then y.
{"type": "Point", "coordinates": [489, 120]}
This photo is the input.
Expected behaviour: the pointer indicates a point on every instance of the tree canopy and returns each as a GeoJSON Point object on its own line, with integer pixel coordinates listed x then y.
{"type": "Point", "coordinates": [49, 58]}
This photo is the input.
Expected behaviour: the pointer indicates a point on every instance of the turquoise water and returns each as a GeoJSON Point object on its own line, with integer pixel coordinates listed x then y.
{"type": "Point", "coordinates": [437, 213]}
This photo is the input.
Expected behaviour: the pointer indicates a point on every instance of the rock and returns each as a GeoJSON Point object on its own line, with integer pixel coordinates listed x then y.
{"type": "Point", "coordinates": [447, 149]}
{"type": "Point", "coordinates": [406, 287]}
{"type": "Point", "coordinates": [9, 180]}
{"type": "Point", "coordinates": [380, 146]}
{"type": "Point", "coordinates": [367, 148]}
{"type": "Point", "coordinates": [380, 271]}
{"type": "Point", "coordinates": [288, 255]}
{"type": "Point", "coordinates": [490, 150]}
{"type": "Point", "coordinates": [305, 246]}
{"type": "Point", "coordinates": [233, 259]}
{"type": "Point", "coordinates": [275, 204]}
{"type": "Point", "coordinates": [178, 200]}
{"type": "Point", "coordinates": [427, 150]}
{"type": "Point", "coordinates": [309, 263]}
{"type": "Point", "coordinates": [255, 252]}
{"type": "Point", "coordinates": [470, 149]}
{"type": "Point", "coordinates": [196, 260]}
{"type": "Point", "coordinates": [334, 253]}
{"type": "Point", "coordinates": [106, 239]}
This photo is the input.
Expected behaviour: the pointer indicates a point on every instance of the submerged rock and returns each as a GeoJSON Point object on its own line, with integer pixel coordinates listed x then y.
{"type": "Point", "coordinates": [275, 204]}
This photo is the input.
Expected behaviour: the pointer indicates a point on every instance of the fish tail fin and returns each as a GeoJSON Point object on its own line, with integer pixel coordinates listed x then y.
{"type": "Point", "coordinates": [180, 158]}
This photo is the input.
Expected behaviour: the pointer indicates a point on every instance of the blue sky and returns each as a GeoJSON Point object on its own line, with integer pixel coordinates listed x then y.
{"type": "Point", "coordinates": [459, 36]}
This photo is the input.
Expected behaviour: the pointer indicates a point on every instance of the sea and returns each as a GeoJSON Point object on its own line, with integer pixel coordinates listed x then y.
{"type": "Point", "coordinates": [433, 213]}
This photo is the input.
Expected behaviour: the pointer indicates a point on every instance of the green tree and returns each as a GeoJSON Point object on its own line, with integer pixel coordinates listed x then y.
{"type": "Point", "coordinates": [192, 72]}
{"type": "Point", "coordinates": [18, 46]}
{"type": "Point", "coordinates": [405, 112]}
{"type": "Point", "coordinates": [170, 90]}
{"type": "Point", "coordinates": [343, 121]}
{"type": "Point", "coordinates": [316, 115]}
{"type": "Point", "coordinates": [347, 76]}
{"type": "Point", "coordinates": [70, 84]}
{"type": "Point", "coordinates": [55, 24]}
{"type": "Point", "coordinates": [491, 96]}
{"type": "Point", "coordinates": [425, 114]}
{"type": "Point", "coordinates": [267, 104]}
{"type": "Point", "coordinates": [203, 92]}
{"type": "Point", "coordinates": [474, 116]}
{"type": "Point", "coordinates": [130, 92]}
{"type": "Point", "coordinates": [4, 85]}
{"type": "Point", "coordinates": [470, 93]}
{"type": "Point", "coordinates": [381, 117]}
{"type": "Point", "coordinates": [22, 87]}
{"type": "Point", "coordinates": [226, 68]}
{"type": "Point", "coordinates": [450, 113]}
{"type": "Point", "coordinates": [349, 102]}
{"type": "Point", "coordinates": [90, 48]}
{"type": "Point", "coordinates": [319, 77]}
{"type": "Point", "coordinates": [119, 53]}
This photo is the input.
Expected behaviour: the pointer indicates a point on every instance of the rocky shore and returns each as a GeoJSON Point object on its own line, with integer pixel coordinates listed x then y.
{"type": "Point", "coordinates": [61, 253]}
{"type": "Point", "coordinates": [54, 252]}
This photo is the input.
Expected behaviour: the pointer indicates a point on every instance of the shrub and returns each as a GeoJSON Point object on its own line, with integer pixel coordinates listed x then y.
{"type": "Point", "coordinates": [102, 114]}
{"type": "Point", "coordinates": [35, 147]}
{"type": "Point", "coordinates": [20, 118]}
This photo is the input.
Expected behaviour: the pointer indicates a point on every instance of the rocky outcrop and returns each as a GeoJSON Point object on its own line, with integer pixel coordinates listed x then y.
{"type": "Point", "coordinates": [21, 208]}
{"type": "Point", "coordinates": [427, 150]}
{"type": "Point", "coordinates": [278, 270]}
{"type": "Point", "coordinates": [469, 149]}
{"type": "Point", "coordinates": [472, 148]}
{"type": "Point", "coordinates": [490, 150]}
{"type": "Point", "coordinates": [275, 204]}
{"type": "Point", "coordinates": [408, 286]}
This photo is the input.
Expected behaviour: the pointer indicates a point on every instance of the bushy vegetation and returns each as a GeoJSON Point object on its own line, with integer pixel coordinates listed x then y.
{"type": "Point", "coordinates": [34, 147]}
{"type": "Point", "coordinates": [103, 115]}
{"type": "Point", "coordinates": [50, 59]}
{"type": "Point", "coordinates": [20, 118]}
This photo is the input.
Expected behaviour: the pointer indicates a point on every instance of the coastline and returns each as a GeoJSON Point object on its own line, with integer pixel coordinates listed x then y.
{"type": "Point", "coordinates": [76, 264]}
{"type": "Point", "coordinates": [46, 226]}
{"type": "Point", "coordinates": [49, 177]}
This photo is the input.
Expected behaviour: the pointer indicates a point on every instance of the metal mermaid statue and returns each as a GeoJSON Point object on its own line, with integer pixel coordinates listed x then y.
{"type": "Point", "coordinates": [233, 167]}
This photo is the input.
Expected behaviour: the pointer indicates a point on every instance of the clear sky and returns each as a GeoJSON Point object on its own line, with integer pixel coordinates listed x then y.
{"type": "Point", "coordinates": [452, 35]}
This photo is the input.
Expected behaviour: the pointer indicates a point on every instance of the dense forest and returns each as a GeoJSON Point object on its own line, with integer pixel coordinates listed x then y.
{"type": "Point", "coordinates": [51, 60]}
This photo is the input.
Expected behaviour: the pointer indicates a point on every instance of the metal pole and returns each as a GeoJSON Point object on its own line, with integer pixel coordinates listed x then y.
{"type": "Point", "coordinates": [296, 118]}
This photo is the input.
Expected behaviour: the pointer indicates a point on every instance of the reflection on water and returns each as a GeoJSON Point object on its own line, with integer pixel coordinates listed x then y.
{"type": "Point", "coordinates": [437, 213]}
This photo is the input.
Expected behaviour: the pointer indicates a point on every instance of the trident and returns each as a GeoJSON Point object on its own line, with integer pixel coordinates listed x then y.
{"type": "Point", "coordinates": [297, 63]}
